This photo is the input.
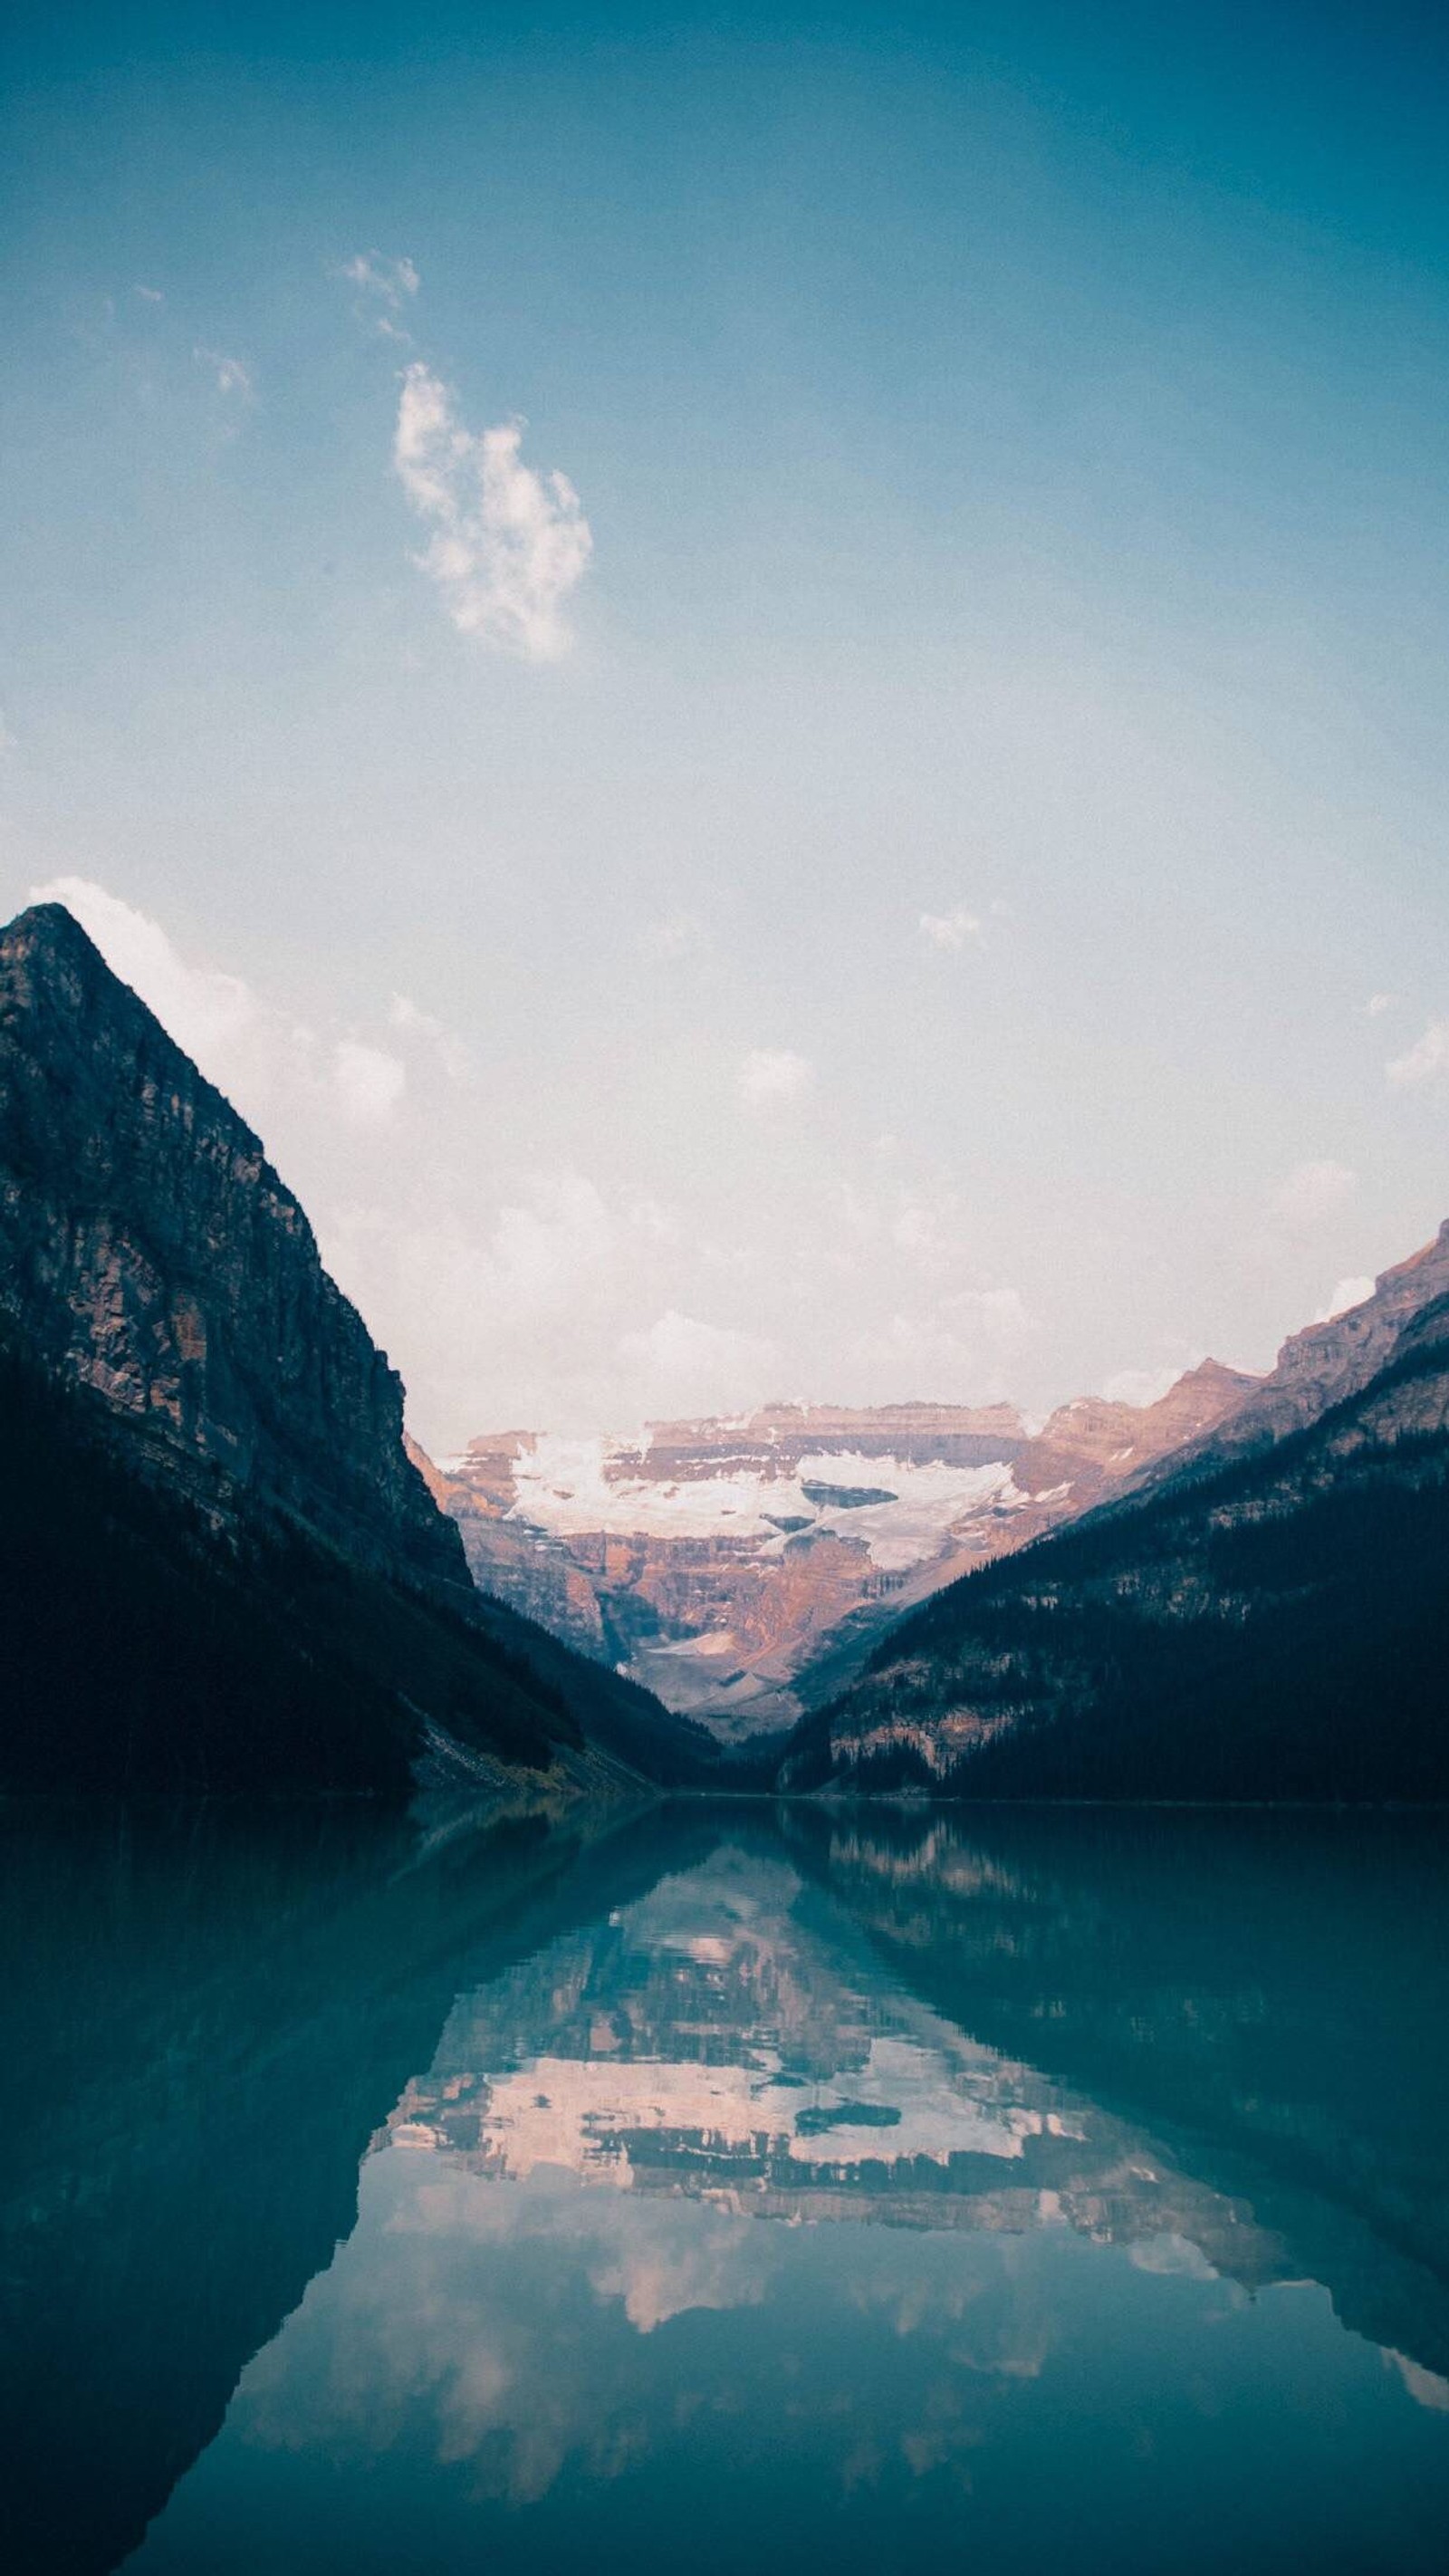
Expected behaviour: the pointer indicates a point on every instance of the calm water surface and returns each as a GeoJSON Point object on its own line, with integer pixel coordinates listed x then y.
{"type": "Point", "coordinates": [727, 2187]}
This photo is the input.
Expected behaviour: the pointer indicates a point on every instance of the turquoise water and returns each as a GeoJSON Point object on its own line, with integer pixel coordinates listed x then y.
{"type": "Point", "coordinates": [728, 2188]}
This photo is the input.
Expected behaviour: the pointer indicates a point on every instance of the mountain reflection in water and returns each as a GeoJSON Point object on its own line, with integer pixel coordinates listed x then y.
{"type": "Point", "coordinates": [728, 2182]}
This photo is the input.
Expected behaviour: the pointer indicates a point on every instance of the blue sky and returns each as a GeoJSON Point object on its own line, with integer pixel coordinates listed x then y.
{"type": "Point", "coordinates": [874, 885]}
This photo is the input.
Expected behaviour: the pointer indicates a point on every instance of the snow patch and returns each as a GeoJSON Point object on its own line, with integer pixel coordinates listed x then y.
{"type": "Point", "coordinates": [565, 1486]}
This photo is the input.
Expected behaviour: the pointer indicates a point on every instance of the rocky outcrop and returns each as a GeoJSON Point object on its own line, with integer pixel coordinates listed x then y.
{"type": "Point", "coordinates": [150, 1253]}
{"type": "Point", "coordinates": [1267, 1616]}
{"type": "Point", "coordinates": [219, 1568]}
{"type": "Point", "coordinates": [1325, 1364]}
{"type": "Point", "coordinates": [742, 1567]}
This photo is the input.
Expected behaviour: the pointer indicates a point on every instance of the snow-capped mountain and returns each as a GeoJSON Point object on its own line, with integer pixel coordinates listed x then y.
{"type": "Point", "coordinates": [718, 1559]}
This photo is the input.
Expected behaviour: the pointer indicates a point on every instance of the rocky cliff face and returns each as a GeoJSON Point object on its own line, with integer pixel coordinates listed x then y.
{"type": "Point", "coordinates": [219, 1568]}
{"type": "Point", "coordinates": [149, 1253]}
{"type": "Point", "coordinates": [721, 1560]}
{"type": "Point", "coordinates": [1267, 1615]}
{"type": "Point", "coordinates": [1324, 1365]}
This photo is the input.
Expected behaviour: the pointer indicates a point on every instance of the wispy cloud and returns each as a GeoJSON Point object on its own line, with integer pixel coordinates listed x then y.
{"type": "Point", "coordinates": [950, 929]}
{"type": "Point", "coordinates": [453, 1053]}
{"type": "Point", "coordinates": [1429, 1055]}
{"type": "Point", "coordinates": [773, 1073]}
{"type": "Point", "coordinates": [393, 280]}
{"type": "Point", "coordinates": [1313, 1192]}
{"type": "Point", "coordinates": [149, 294]}
{"type": "Point", "coordinates": [700, 1366]}
{"type": "Point", "coordinates": [233, 375]}
{"type": "Point", "coordinates": [1378, 1003]}
{"type": "Point", "coordinates": [510, 545]}
{"type": "Point", "coordinates": [369, 1082]}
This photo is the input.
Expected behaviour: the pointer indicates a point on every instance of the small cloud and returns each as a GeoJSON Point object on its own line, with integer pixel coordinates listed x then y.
{"type": "Point", "coordinates": [1428, 1056]}
{"type": "Point", "coordinates": [702, 1367]}
{"type": "Point", "coordinates": [149, 294]}
{"type": "Point", "coordinates": [950, 929]}
{"type": "Point", "coordinates": [560, 1238]}
{"type": "Point", "coordinates": [773, 1073]}
{"type": "Point", "coordinates": [677, 934]}
{"type": "Point", "coordinates": [369, 1083]}
{"type": "Point", "coordinates": [1348, 1294]}
{"type": "Point", "coordinates": [233, 375]}
{"type": "Point", "coordinates": [393, 280]}
{"type": "Point", "coordinates": [509, 545]}
{"type": "Point", "coordinates": [453, 1054]}
{"type": "Point", "coordinates": [957, 1349]}
{"type": "Point", "coordinates": [1313, 1192]}
{"type": "Point", "coordinates": [1378, 1003]}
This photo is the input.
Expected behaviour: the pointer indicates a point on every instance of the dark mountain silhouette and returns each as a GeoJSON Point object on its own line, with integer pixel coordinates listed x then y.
{"type": "Point", "coordinates": [220, 1568]}
{"type": "Point", "coordinates": [1267, 1618]}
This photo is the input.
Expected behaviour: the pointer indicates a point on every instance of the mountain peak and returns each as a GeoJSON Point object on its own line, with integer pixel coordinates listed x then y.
{"type": "Point", "coordinates": [47, 936]}
{"type": "Point", "coordinates": [150, 1253]}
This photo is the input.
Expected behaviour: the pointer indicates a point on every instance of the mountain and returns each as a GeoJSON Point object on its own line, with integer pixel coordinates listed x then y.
{"type": "Point", "coordinates": [149, 1252]}
{"type": "Point", "coordinates": [742, 1567]}
{"type": "Point", "coordinates": [1264, 1616]}
{"type": "Point", "coordinates": [220, 1567]}
{"type": "Point", "coordinates": [1323, 1365]}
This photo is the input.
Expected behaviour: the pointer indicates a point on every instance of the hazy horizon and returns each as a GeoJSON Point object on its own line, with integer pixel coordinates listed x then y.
{"type": "Point", "coordinates": [772, 697]}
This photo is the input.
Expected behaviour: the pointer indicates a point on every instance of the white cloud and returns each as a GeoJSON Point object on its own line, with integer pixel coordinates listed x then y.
{"type": "Point", "coordinates": [369, 1082]}
{"type": "Point", "coordinates": [1378, 1003]}
{"type": "Point", "coordinates": [1428, 1056]}
{"type": "Point", "coordinates": [453, 1053]}
{"type": "Point", "coordinates": [1313, 1192]}
{"type": "Point", "coordinates": [700, 1368]}
{"type": "Point", "coordinates": [233, 375]}
{"type": "Point", "coordinates": [394, 280]}
{"type": "Point", "coordinates": [1348, 1293]}
{"type": "Point", "coordinates": [150, 294]}
{"type": "Point", "coordinates": [955, 1349]}
{"type": "Point", "coordinates": [1000, 1313]}
{"type": "Point", "coordinates": [510, 545]}
{"type": "Point", "coordinates": [556, 1243]}
{"type": "Point", "coordinates": [773, 1073]}
{"type": "Point", "coordinates": [950, 929]}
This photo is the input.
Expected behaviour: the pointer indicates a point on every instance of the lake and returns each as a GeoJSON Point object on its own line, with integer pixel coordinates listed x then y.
{"type": "Point", "coordinates": [725, 2186]}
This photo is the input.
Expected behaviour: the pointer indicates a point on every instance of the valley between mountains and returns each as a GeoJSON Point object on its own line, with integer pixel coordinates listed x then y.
{"type": "Point", "coordinates": [742, 1568]}
{"type": "Point", "coordinates": [225, 1567]}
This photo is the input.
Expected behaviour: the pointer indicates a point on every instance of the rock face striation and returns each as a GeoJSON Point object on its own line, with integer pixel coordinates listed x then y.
{"type": "Point", "coordinates": [219, 1568]}
{"type": "Point", "coordinates": [743, 1567]}
{"type": "Point", "coordinates": [1264, 1615]}
{"type": "Point", "coordinates": [1324, 1365]}
{"type": "Point", "coordinates": [150, 1254]}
